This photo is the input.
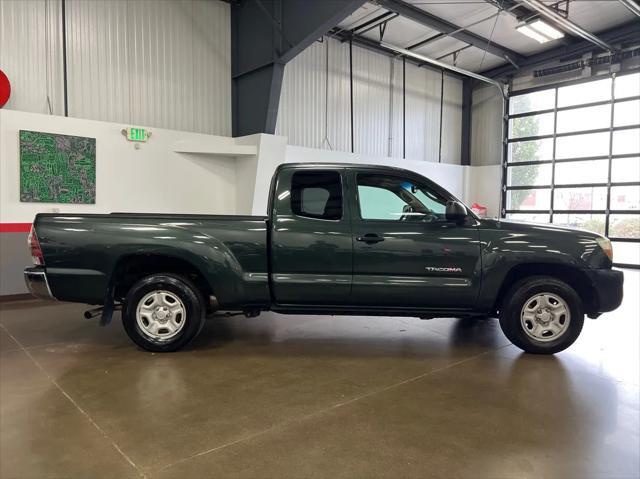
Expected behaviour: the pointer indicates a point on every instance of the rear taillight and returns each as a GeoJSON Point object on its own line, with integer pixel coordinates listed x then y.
{"type": "Point", "coordinates": [34, 246]}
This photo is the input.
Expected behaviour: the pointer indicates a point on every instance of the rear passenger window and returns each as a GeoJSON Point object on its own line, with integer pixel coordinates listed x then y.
{"type": "Point", "coordinates": [317, 194]}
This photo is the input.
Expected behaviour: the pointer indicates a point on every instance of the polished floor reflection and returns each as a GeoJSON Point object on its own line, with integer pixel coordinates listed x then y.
{"type": "Point", "coordinates": [287, 396]}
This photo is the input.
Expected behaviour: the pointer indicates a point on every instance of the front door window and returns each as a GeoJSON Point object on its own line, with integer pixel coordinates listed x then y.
{"type": "Point", "coordinates": [392, 198]}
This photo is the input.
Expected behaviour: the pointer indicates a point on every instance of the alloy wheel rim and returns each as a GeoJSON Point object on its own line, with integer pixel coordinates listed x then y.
{"type": "Point", "coordinates": [545, 317]}
{"type": "Point", "coordinates": [160, 315]}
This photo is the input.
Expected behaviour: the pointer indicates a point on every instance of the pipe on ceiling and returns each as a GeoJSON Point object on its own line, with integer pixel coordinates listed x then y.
{"type": "Point", "coordinates": [632, 6]}
{"type": "Point", "coordinates": [565, 23]}
{"type": "Point", "coordinates": [443, 65]}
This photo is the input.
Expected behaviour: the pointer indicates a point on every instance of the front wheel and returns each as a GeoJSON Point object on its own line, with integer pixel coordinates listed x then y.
{"type": "Point", "coordinates": [163, 312]}
{"type": "Point", "coordinates": [542, 315]}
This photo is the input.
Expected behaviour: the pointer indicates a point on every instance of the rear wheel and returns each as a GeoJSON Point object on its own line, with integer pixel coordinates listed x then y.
{"type": "Point", "coordinates": [542, 315]}
{"type": "Point", "coordinates": [163, 312]}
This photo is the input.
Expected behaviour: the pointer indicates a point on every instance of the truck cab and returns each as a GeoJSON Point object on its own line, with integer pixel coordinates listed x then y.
{"type": "Point", "coordinates": [358, 238]}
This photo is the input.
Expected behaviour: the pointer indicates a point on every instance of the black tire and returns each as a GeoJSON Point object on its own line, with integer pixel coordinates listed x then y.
{"type": "Point", "coordinates": [179, 286]}
{"type": "Point", "coordinates": [514, 302]}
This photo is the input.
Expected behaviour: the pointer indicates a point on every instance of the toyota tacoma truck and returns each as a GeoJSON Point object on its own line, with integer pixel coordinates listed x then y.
{"type": "Point", "coordinates": [339, 239]}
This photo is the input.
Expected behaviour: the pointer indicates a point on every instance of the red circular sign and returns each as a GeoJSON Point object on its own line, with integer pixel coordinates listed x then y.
{"type": "Point", "coordinates": [5, 89]}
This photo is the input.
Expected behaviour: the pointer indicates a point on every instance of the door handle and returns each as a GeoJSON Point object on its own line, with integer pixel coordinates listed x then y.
{"type": "Point", "coordinates": [370, 238]}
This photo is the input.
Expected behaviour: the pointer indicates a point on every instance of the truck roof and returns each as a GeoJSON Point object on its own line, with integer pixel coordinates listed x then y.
{"type": "Point", "coordinates": [346, 165]}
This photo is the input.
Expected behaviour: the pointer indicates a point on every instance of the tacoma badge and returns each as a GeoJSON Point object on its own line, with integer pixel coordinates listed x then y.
{"type": "Point", "coordinates": [433, 269]}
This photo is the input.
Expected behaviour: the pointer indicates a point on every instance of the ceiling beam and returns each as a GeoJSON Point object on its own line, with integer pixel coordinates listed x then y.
{"type": "Point", "coordinates": [435, 23]}
{"type": "Point", "coordinates": [375, 46]}
{"type": "Point", "coordinates": [621, 34]}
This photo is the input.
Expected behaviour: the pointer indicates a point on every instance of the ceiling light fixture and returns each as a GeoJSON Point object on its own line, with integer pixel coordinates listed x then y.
{"type": "Point", "coordinates": [539, 30]}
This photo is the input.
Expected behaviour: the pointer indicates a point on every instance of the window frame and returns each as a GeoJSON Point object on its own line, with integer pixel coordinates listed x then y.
{"type": "Point", "coordinates": [552, 186]}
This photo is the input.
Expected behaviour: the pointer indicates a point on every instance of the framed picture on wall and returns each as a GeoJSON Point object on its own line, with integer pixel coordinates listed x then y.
{"type": "Point", "coordinates": [57, 168]}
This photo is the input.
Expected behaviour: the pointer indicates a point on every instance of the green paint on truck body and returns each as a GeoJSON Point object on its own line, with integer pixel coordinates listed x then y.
{"type": "Point", "coordinates": [291, 263]}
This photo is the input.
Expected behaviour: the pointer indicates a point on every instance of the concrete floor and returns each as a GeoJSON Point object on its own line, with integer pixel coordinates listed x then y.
{"type": "Point", "coordinates": [283, 396]}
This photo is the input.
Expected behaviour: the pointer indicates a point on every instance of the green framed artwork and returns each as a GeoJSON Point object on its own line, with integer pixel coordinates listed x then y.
{"type": "Point", "coordinates": [57, 168]}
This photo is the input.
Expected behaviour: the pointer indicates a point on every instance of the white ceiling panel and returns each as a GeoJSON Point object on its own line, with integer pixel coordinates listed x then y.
{"type": "Point", "coordinates": [458, 12]}
{"type": "Point", "coordinates": [366, 12]}
{"type": "Point", "coordinates": [595, 15]}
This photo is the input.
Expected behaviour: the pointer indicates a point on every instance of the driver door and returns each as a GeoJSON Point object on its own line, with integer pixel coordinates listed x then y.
{"type": "Point", "coordinates": [406, 253]}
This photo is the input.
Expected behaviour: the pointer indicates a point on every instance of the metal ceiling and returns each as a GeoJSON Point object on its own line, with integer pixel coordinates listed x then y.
{"type": "Point", "coordinates": [480, 35]}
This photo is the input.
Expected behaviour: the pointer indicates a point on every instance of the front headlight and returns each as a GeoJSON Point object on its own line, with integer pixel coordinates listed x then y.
{"type": "Point", "coordinates": [605, 244]}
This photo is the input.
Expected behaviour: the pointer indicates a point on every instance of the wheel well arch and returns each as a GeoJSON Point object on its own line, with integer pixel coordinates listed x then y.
{"type": "Point", "coordinates": [571, 275]}
{"type": "Point", "coordinates": [131, 268]}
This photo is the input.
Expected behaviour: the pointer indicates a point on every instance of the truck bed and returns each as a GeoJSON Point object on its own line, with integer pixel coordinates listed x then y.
{"type": "Point", "coordinates": [82, 252]}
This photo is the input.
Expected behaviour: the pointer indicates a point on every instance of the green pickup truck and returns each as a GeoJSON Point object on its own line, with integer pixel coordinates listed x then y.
{"type": "Point", "coordinates": [338, 239]}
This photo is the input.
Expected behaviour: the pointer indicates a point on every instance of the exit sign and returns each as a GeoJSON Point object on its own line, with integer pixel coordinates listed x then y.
{"type": "Point", "coordinates": [137, 134]}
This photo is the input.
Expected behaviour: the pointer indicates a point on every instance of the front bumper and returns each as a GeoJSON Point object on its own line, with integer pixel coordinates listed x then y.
{"type": "Point", "coordinates": [36, 280]}
{"type": "Point", "coordinates": [607, 286]}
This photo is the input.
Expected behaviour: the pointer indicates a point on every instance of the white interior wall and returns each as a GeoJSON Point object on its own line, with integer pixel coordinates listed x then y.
{"type": "Point", "coordinates": [166, 176]}
{"type": "Point", "coordinates": [154, 63]}
{"type": "Point", "coordinates": [315, 114]}
{"type": "Point", "coordinates": [153, 178]}
{"type": "Point", "coordinates": [482, 186]}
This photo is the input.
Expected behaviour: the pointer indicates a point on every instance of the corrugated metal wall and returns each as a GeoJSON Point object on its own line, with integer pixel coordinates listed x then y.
{"type": "Point", "coordinates": [31, 54]}
{"type": "Point", "coordinates": [452, 120]}
{"type": "Point", "coordinates": [486, 126]}
{"type": "Point", "coordinates": [315, 114]}
{"type": "Point", "coordinates": [371, 90]}
{"type": "Point", "coordinates": [423, 113]}
{"type": "Point", "coordinates": [145, 62]}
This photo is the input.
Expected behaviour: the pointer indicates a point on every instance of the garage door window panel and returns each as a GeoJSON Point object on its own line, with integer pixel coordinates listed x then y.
{"type": "Point", "coordinates": [531, 150]}
{"type": "Point", "coordinates": [540, 100]}
{"type": "Point", "coordinates": [580, 199]}
{"type": "Point", "coordinates": [582, 146]}
{"type": "Point", "coordinates": [627, 86]}
{"type": "Point", "coordinates": [535, 125]}
{"type": "Point", "coordinates": [626, 113]}
{"type": "Point", "coordinates": [624, 226]}
{"type": "Point", "coordinates": [626, 141]}
{"type": "Point", "coordinates": [581, 172]}
{"type": "Point", "coordinates": [625, 170]}
{"type": "Point", "coordinates": [587, 221]}
{"type": "Point", "coordinates": [529, 199]}
{"type": "Point", "coordinates": [530, 175]}
{"type": "Point", "coordinates": [582, 93]}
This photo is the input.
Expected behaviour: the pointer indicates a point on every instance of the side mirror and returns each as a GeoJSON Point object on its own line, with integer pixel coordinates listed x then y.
{"type": "Point", "coordinates": [455, 211]}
